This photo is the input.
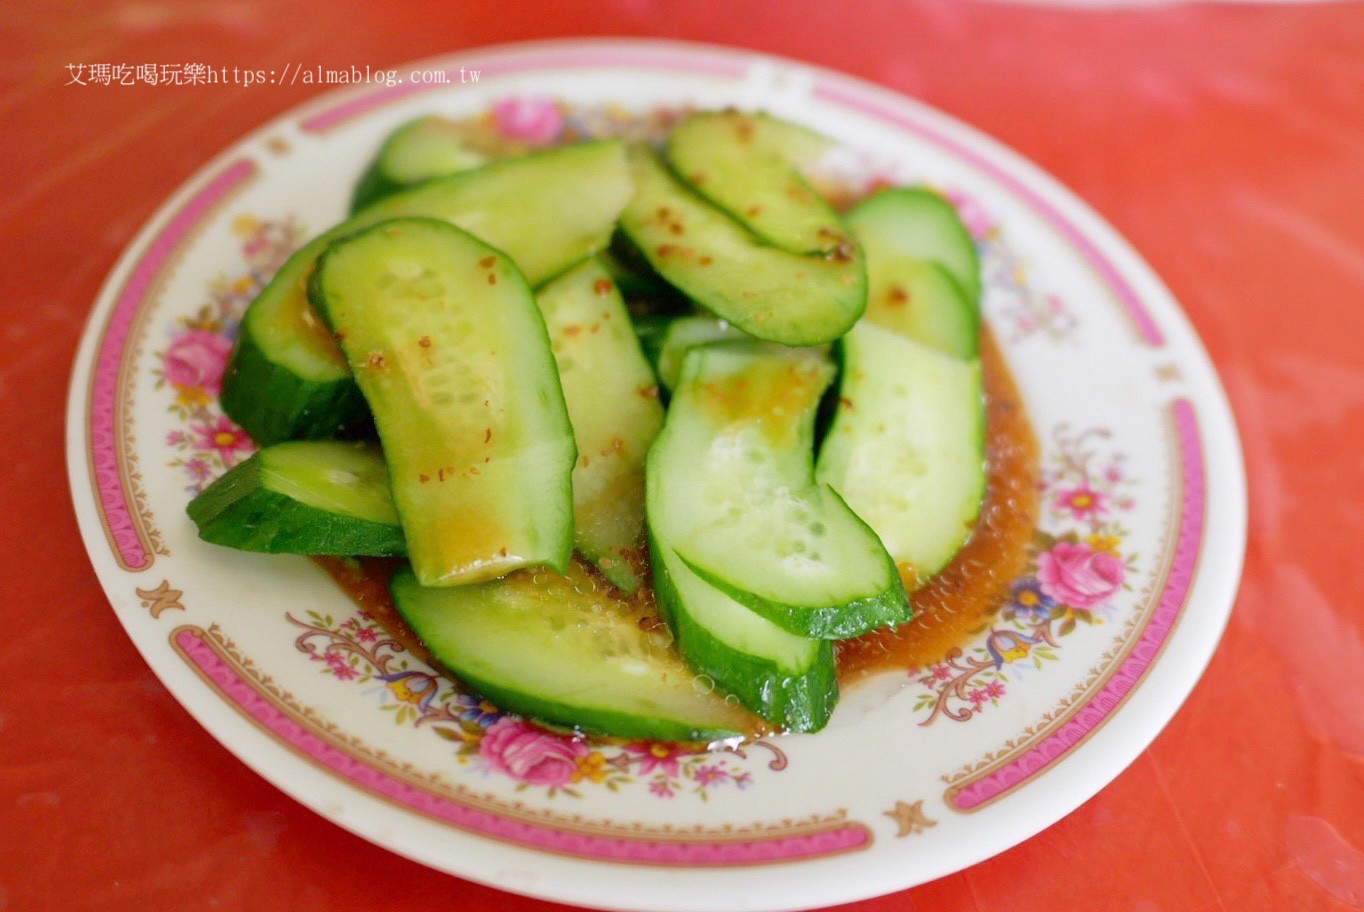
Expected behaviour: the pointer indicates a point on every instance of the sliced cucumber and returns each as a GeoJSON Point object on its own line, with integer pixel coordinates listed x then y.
{"type": "Point", "coordinates": [450, 351]}
{"type": "Point", "coordinates": [681, 336]}
{"type": "Point", "coordinates": [613, 403]}
{"type": "Point", "coordinates": [314, 396]}
{"type": "Point", "coordinates": [906, 448]}
{"type": "Point", "coordinates": [732, 483]}
{"type": "Point", "coordinates": [567, 650]}
{"type": "Point", "coordinates": [919, 299]}
{"type": "Point", "coordinates": [417, 151]}
{"type": "Point", "coordinates": [763, 290]}
{"type": "Point", "coordinates": [918, 223]}
{"type": "Point", "coordinates": [303, 497]}
{"type": "Point", "coordinates": [547, 211]}
{"type": "Point", "coordinates": [748, 165]}
{"type": "Point", "coordinates": [666, 341]}
{"type": "Point", "coordinates": [789, 680]}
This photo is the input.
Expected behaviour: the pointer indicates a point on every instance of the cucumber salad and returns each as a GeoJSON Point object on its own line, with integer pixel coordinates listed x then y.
{"type": "Point", "coordinates": [653, 427]}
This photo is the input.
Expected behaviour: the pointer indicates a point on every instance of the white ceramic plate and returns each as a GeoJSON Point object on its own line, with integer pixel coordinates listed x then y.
{"type": "Point", "coordinates": [917, 776]}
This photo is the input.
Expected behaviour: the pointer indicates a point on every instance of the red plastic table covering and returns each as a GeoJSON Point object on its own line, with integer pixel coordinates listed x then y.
{"type": "Point", "coordinates": [1226, 142]}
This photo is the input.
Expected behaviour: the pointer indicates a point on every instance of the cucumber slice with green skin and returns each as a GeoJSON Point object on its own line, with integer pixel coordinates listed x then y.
{"type": "Point", "coordinates": [450, 351]}
{"type": "Point", "coordinates": [666, 341]}
{"type": "Point", "coordinates": [789, 680]}
{"type": "Point", "coordinates": [763, 290]}
{"type": "Point", "coordinates": [748, 166]}
{"type": "Point", "coordinates": [918, 223]}
{"type": "Point", "coordinates": [760, 528]}
{"type": "Point", "coordinates": [919, 299]}
{"type": "Point", "coordinates": [303, 497]}
{"type": "Point", "coordinates": [907, 446]}
{"type": "Point", "coordinates": [547, 211]}
{"type": "Point", "coordinates": [746, 514]}
{"type": "Point", "coordinates": [613, 404]}
{"type": "Point", "coordinates": [287, 378]}
{"type": "Point", "coordinates": [567, 650]}
{"type": "Point", "coordinates": [273, 403]}
{"type": "Point", "coordinates": [681, 336]}
{"type": "Point", "coordinates": [417, 151]}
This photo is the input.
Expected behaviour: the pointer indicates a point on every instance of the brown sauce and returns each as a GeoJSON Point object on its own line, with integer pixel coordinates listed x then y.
{"type": "Point", "coordinates": [365, 580]}
{"type": "Point", "coordinates": [947, 610]}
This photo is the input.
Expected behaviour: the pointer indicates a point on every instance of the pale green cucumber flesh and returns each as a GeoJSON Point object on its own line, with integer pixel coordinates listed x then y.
{"type": "Point", "coordinates": [567, 650]}
{"type": "Point", "coordinates": [747, 514]}
{"type": "Point", "coordinates": [419, 150]}
{"type": "Point", "coordinates": [918, 223]}
{"type": "Point", "coordinates": [906, 448]}
{"type": "Point", "coordinates": [613, 404]}
{"type": "Point", "coordinates": [763, 290]}
{"type": "Point", "coordinates": [321, 497]}
{"type": "Point", "coordinates": [449, 348]}
{"type": "Point", "coordinates": [683, 334]}
{"type": "Point", "coordinates": [789, 680]}
{"type": "Point", "coordinates": [666, 341]}
{"type": "Point", "coordinates": [919, 299]}
{"type": "Point", "coordinates": [748, 165]}
{"type": "Point", "coordinates": [880, 602]}
{"type": "Point", "coordinates": [547, 211]}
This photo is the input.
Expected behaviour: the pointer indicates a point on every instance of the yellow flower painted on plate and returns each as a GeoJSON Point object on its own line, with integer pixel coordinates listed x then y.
{"type": "Point", "coordinates": [412, 689]}
{"type": "Point", "coordinates": [1104, 544]}
{"type": "Point", "coordinates": [191, 396]}
{"type": "Point", "coordinates": [245, 225]}
{"type": "Point", "coordinates": [592, 767]}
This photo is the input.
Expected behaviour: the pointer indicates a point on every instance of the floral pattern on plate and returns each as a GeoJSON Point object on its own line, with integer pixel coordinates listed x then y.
{"type": "Point", "coordinates": [1074, 572]}
{"type": "Point", "coordinates": [192, 363]}
{"type": "Point", "coordinates": [489, 741]}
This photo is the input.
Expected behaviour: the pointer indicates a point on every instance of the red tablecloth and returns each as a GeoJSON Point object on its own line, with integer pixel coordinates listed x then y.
{"type": "Point", "coordinates": [1226, 142]}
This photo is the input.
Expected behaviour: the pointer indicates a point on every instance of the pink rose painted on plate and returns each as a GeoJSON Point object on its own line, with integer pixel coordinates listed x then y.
{"type": "Point", "coordinates": [519, 750]}
{"type": "Point", "coordinates": [532, 120]}
{"type": "Point", "coordinates": [196, 359]}
{"type": "Point", "coordinates": [1078, 576]}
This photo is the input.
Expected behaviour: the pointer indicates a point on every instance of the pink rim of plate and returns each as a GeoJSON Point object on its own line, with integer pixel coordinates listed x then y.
{"type": "Point", "coordinates": [831, 838]}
